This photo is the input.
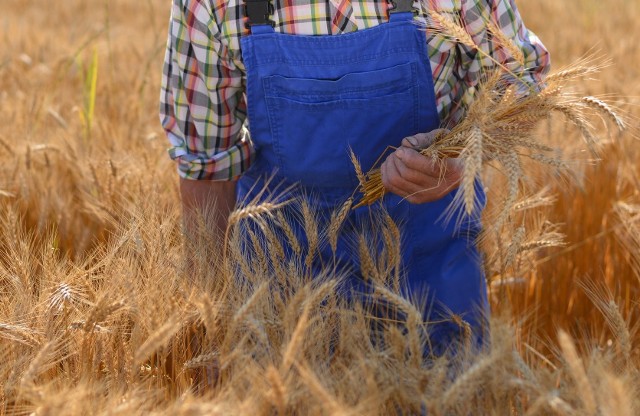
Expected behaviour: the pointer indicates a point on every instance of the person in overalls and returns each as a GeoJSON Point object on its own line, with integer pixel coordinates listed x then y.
{"type": "Point", "coordinates": [309, 97]}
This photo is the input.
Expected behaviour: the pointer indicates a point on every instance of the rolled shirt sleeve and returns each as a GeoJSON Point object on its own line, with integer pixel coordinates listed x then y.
{"type": "Point", "coordinates": [473, 66]}
{"type": "Point", "coordinates": [202, 104]}
{"type": "Point", "coordinates": [203, 107]}
{"type": "Point", "coordinates": [505, 16]}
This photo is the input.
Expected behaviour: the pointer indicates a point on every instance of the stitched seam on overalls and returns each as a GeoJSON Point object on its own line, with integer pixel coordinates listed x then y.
{"type": "Point", "coordinates": [270, 89]}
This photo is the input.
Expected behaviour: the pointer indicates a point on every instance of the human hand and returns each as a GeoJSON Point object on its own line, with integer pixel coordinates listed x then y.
{"type": "Point", "coordinates": [418, 179]}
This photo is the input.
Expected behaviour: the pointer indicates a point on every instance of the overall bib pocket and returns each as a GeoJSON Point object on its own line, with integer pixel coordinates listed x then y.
{"type": "Point", "coordinates": [314, 122]}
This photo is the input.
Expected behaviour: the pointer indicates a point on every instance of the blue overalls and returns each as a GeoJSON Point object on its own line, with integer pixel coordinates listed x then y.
{"type": "Point", "coordinates": [311, 99]}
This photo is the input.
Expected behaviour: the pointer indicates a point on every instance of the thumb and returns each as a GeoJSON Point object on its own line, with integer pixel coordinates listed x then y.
{"type": "Point", "coordinates": [422, 140]}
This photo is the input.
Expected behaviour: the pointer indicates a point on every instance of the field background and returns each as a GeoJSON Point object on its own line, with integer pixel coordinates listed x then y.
{"type": "Point", "coordinates": [70, 195]}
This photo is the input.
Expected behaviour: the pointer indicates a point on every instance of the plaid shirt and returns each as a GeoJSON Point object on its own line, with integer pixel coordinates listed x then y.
{"type": "Point", "coordinates": [203, 104]}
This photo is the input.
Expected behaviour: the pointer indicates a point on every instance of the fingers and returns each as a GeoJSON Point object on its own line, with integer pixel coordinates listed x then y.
{"type": "Point", "coordinates": [401, 180]}
{"type": "Point", "coordinates": [418, 179]}
{"type": "Point", "coordinates": [419, 167]}
{"type": "Point", "coordinates": [409, 174]}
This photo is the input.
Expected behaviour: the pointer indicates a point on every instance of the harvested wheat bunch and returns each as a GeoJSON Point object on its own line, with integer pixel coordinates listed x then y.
{"type": "Point", "coordinates": [500, 126]}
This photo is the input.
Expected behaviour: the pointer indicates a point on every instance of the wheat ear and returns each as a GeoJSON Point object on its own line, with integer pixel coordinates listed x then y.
{"type": "Point", "coordinates": [367, 265]}
{"type": "Point", "coordinates": [311, 230]}
{"type": "Point", "coordinates": [158, 339]}
{"type": "Point", "coordinates": [249, 211]}
{"type": "Point", "coordinates": [458, 33]}
{"type": "Point", "coordinates": [605, 109]}
{"type": "Point", "coordinates": [337, 219]}
{"type": "Point", "coordinates": [576, 368]}
{"type": "Point", "coordinates": [507, 43]}
{"type": "Point", "coordinates": [288, 231]}
{"type": "Point", "coordinates": [472, 155]}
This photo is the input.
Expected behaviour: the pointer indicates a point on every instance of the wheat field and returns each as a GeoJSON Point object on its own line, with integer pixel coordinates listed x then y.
{"type": "Point", "coordinates": [101, 314]}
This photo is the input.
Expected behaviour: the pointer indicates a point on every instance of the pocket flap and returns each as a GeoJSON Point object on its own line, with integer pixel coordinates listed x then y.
{"type": "Point", "coordinates": [351, 85]}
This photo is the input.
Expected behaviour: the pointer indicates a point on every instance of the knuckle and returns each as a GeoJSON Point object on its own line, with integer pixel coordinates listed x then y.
{"type": "Point", "coordinates": [409, 174]}
{"type": "Point", "coordinates": [417, 162]}
{"type": "Point", "coordinates": [409, 141]}
{"type": "Point", "coordinates": [412, 176]}
{"type": "Point", "coordinates": [402, 169]}
{"type": "Point", "coordinates": [395, 181]}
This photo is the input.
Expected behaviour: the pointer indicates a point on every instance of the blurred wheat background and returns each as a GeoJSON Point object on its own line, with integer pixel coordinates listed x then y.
{"type": "Point", "coordinates": [98, 315]}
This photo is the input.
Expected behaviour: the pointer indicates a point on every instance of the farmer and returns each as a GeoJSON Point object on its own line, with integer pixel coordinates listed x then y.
{"type": "Point", "coordinates": [280, 88]}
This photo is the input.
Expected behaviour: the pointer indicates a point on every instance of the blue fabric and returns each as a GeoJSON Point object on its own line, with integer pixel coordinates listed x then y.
{"type": "Point", "coordinates": [310, 100]}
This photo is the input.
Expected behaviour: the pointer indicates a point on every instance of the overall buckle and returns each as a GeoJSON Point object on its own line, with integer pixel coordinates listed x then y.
{"type": "Point", "coordinates": [258, 12]}
{"type": "Point", "coordinates": [402, 6]}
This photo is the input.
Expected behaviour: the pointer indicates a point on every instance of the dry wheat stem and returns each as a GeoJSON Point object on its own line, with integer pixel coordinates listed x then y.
{"type": "Point", "coordinates": [158, 339]}
{"type": "Point", "coordinates": [577, 371]}
{"type": "Point", "coordinates": [602, 298]}
{"type": "Point", "coordinates": [337, 219]}
{"type": "Point", "coordinates": [514, 247]}
{"type": "Point", "coordinates": [253, 211]}
{"type": "Point", "coordinates": [472, 157]}
{"type": "Point", "coordinates": [455, 31]}
{"type": "Point", "coordinates": [278, 389]}
{"type": "Point", "coordinates": [604, 108]}
{"type": "Point", "coordinates": [395, 249]}
{"type": "Point", "coordinates": [502, 129]}
{"type": "Point", "coordinates": [465, 382]}
{"type": "Point", "coordinates": [507, 43]}
{"type": "Point", "coordinates": [285, 225]}
{"type": "Point", "coordinates": [51, 289]}
{"type": "Point", "coordinates": [367, 265]}
{"type": "Point", "coordinates": [261, 264]}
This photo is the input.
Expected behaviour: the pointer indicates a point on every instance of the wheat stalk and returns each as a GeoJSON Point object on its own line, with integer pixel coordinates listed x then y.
{"type": "Point", "coordinates": [367, 265]}
{"type": "Point", "coordinates": [541, 199]}
{"type": "Point", "coordinates": [253, 211]}
{"type": "Point", "coordinates": [604, 108]}
{"type": "Point", "coordinates": [578, 373]}
{"type": "Point", "coordinates": [514, 247]}
{"type": "Point", "coordinates": [452, 29]}
{"type": "Point", "coordinates": [455, 31]}
{"type": "Point", "coordinates": [311, 231]}
{"type": "Point", "coordinates": [203, 360]}
{"type": "Point", "coordinates": [501, 125]}
{"type": "Point", "coordinates": [472, 156]}
{"type": "Point", "coordinates": [288, 232]}
{"type": "Point", "coordinates": [602, 298]}
{"type": "Point", "coordinates": [337, 219]}
{"type": "Point", "coordinates": [465, 382]}
{"type": "Point", "coordinates": [158, 339]}
{"type": "Point", "coordinates": [507, 43]}
{"type": "Point", "coordinates": [278, 390]}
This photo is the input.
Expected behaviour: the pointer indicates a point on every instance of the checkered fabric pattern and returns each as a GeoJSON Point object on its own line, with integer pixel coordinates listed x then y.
{"type": "Point", "coordinates": [203, 104]}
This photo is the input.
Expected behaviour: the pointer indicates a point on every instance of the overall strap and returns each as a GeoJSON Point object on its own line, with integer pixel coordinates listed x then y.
{"type": "Point", "coordinates": [258, 13]}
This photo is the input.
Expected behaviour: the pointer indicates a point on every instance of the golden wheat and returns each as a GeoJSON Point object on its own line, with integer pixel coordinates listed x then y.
{"type": "Point", "coordinates": [101, 311]}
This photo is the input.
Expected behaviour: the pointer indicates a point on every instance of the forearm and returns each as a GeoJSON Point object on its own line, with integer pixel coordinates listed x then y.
{"type": "Point", "coordinates": [207, 203]}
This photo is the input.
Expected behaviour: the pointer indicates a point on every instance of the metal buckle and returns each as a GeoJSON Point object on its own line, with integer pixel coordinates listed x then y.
{"type": "Point", "coordinates": [402, 6]}
{"type": "Point", "coordinates": [258, 12]}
